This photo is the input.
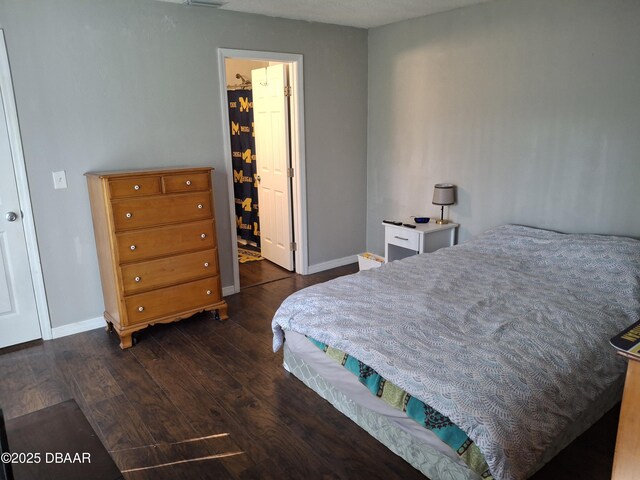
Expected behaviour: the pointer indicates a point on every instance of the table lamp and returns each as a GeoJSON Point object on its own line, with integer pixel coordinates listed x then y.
{"type": "Point", "coordinates": [443, 194]}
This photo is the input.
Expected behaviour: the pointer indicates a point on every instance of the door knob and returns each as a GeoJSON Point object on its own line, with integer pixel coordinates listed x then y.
{"type": "Point", "coordinates": [258, 178]}
{"type": "Point", "coordinates": [11, 216]}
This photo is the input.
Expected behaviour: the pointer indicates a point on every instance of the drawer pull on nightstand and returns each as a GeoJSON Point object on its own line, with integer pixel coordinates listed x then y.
{"type": "Point", "coordinates": [199, 205]}
{"type": "Point", "coordinates": [137, 279]}
{"type": "Point", "coordinates": [206, 264]}
{"type": "Point", "coordinates": [203, 235]}
{"type": "Point", "coordinates": [208, 292]}
{"type": "Point", "coordinates": [129, 215]}
{"type": "Point", "coordinates": [133, 247]}
{"type": "Point", "coordinates": [401, 238]}
{"type": "Point", "coordinates": [188, 182]}
{"type": "Point", "coordinates": [136, 187]}
{"type": "Point", "coordinates": [141, 309]}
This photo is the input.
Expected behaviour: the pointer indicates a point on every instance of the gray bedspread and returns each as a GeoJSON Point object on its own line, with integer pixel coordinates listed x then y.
{"type": "Point", "coordinates": [506, 334]}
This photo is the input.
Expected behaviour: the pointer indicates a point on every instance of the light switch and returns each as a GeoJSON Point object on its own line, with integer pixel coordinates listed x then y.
{"type": "Point", "coordinates": [59, 179]}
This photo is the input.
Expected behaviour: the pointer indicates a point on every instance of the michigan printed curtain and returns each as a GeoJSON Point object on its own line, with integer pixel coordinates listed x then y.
{"type": "Point", "coordinates": [243, 153]}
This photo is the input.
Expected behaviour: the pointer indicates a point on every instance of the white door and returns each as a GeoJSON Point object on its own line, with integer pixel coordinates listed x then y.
{"type": "Point", "coordinates": [271, 127]}
{"type": "Point", "coordinates": [18, 314]}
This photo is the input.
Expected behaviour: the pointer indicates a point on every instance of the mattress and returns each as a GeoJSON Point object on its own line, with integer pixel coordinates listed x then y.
{"type": "Point", "coordinates": [507, 335]}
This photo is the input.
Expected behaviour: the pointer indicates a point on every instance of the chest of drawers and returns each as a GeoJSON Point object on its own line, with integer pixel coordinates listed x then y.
{"type": "Point", "coordinates": [157, 248]}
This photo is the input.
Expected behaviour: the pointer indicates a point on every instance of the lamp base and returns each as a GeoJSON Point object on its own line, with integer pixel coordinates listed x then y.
{"type": "Point", "coordinates": [442, 222]}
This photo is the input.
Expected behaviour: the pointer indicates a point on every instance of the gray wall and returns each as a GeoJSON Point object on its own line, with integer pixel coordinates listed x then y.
{"type": "Point", "coordinates": [108, 84]}
{"type": "Point", "coordinates": [243, 67]}
{"type": "Point", "coordinates": [531, 107]}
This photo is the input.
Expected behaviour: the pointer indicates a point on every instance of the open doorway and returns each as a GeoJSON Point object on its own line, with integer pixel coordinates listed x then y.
{"type": "Point", "coordinates": [265, 159]}
{"type": "Point", "coordinates": [259, 132]}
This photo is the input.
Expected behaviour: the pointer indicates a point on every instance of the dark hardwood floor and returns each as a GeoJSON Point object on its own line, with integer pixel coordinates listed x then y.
{"type": "Point", "coordinates": [210, 400]}
{"type": "Point", "coordinates": [260, 272]}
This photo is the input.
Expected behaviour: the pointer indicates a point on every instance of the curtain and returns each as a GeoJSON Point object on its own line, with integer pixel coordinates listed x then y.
{"type": "Point", "coordinates": [243, 153]}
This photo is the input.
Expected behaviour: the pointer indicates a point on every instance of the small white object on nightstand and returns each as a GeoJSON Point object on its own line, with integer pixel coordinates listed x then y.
{"type": "Point", "coordinates": [401, 242]}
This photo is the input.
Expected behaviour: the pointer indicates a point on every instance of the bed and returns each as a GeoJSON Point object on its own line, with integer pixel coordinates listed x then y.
{"type": "Point", "coordinates": [504, 336]}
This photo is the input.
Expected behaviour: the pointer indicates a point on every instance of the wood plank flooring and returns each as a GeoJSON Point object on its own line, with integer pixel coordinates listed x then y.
{"type": "Point", "coordinates": [61, 428]}
{"type": "Point", "coordinates": [260, 272]}
{"type": "Point", "coordinates": [210, 400]}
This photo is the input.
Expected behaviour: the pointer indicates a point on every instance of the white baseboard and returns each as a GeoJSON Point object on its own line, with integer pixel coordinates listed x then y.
{"type": "Point", "coordinates": [99, 322]}
{"type": "Point", "coordinates": [78, 327]}
{"type": "Point", "coordinates": [228, 290]}
{"type": "Point", "coordinates": [318, 267]}
{"type": "Point", "coordinates": [338, 262]}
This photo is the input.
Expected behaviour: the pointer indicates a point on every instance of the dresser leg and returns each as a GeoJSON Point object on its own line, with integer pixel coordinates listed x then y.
{"type": "Point", "coordinates": [220, 313]}
{"type": "Point", "coordinates": [126, 341]}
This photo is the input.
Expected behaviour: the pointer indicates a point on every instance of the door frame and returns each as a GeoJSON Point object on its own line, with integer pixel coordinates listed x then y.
{"type": "Point", "coordinates": [20, 173]}
{"type": "Point", "coordinates": [298, 159]}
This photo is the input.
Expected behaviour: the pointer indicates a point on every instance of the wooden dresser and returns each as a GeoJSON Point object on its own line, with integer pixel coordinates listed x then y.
{"type": "Point", "coordinates": [157, 249]}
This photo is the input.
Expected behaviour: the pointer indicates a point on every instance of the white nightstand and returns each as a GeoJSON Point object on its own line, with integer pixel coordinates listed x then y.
{"type": "Point", "coordinates": [401, 242]}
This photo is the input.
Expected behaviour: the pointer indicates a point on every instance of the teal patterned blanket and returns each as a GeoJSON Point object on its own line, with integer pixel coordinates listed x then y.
{"type": "Point", "coordinates": [425, 415]}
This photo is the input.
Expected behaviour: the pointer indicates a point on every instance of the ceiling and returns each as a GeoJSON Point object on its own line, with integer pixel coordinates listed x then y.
{"type": "Point", "coordinates": [355, 13]}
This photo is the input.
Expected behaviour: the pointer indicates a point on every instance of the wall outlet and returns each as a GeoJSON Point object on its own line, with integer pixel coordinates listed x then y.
{"type": "Point", "coordinates": [59, 179]}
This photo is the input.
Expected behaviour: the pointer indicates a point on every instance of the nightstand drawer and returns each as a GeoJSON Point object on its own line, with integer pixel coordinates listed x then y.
{"type": "Point", "coordinates": [402, 237]}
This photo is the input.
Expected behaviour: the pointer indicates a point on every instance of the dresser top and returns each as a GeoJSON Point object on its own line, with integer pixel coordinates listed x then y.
{"type": "Point", "coordinates": [147, 171]}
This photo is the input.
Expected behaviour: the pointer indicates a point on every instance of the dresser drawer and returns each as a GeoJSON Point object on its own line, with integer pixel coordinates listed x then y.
{"type": "Point", "coordinates": [161, 209]}
{"type": "Point", "coordinates": [160, 241]}
{"type": "Point", "coordinates": [166, 301]}
{"type": "Point", "coordinates": [186, 182]}
{"type": "Point", "coordinates": [137, 277]}
{"type": "Point", "coordinates": [135, 186]}
{"type": "Point", "coordinates": [403, 237]}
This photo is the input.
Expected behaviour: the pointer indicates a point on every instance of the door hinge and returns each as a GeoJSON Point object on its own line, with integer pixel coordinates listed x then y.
{"type": "Point", "coordinates": [293, 247]}
{"type": "Point", "coordinates": [290, 172]}
{"type": "Point", "coordinates": [287, 91]}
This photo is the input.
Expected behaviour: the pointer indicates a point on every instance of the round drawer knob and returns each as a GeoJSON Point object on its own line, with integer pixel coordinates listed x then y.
{"type": "Point", "coordinates": [129, 215]}
{"type": "Point", "coordinates": [133, 247]}
{"type": "Point", "coordinates": [141, 309]}
{"type": "Point", "coordinates": [136, 187]}
{"type": "Point", "coordinates": [206, 264]}
{"type": "Point", "coordinates": [188, 182]}
{"type": "Point", "coordinates": [199, 205]}
{"type": "Point", "coordinates": [208, 292]}
{"type": "Point", "coordinates": [203, 235]}
{"type": "Point", "coordinates": [137, 279]}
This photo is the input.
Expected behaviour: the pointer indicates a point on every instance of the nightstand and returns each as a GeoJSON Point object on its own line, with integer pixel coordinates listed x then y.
{"type": "Point", "coordinates": [401, 242]}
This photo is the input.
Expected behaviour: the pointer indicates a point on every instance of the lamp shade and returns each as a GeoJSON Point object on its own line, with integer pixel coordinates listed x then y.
{"type": "Point", "coordinates": [443, 194]}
